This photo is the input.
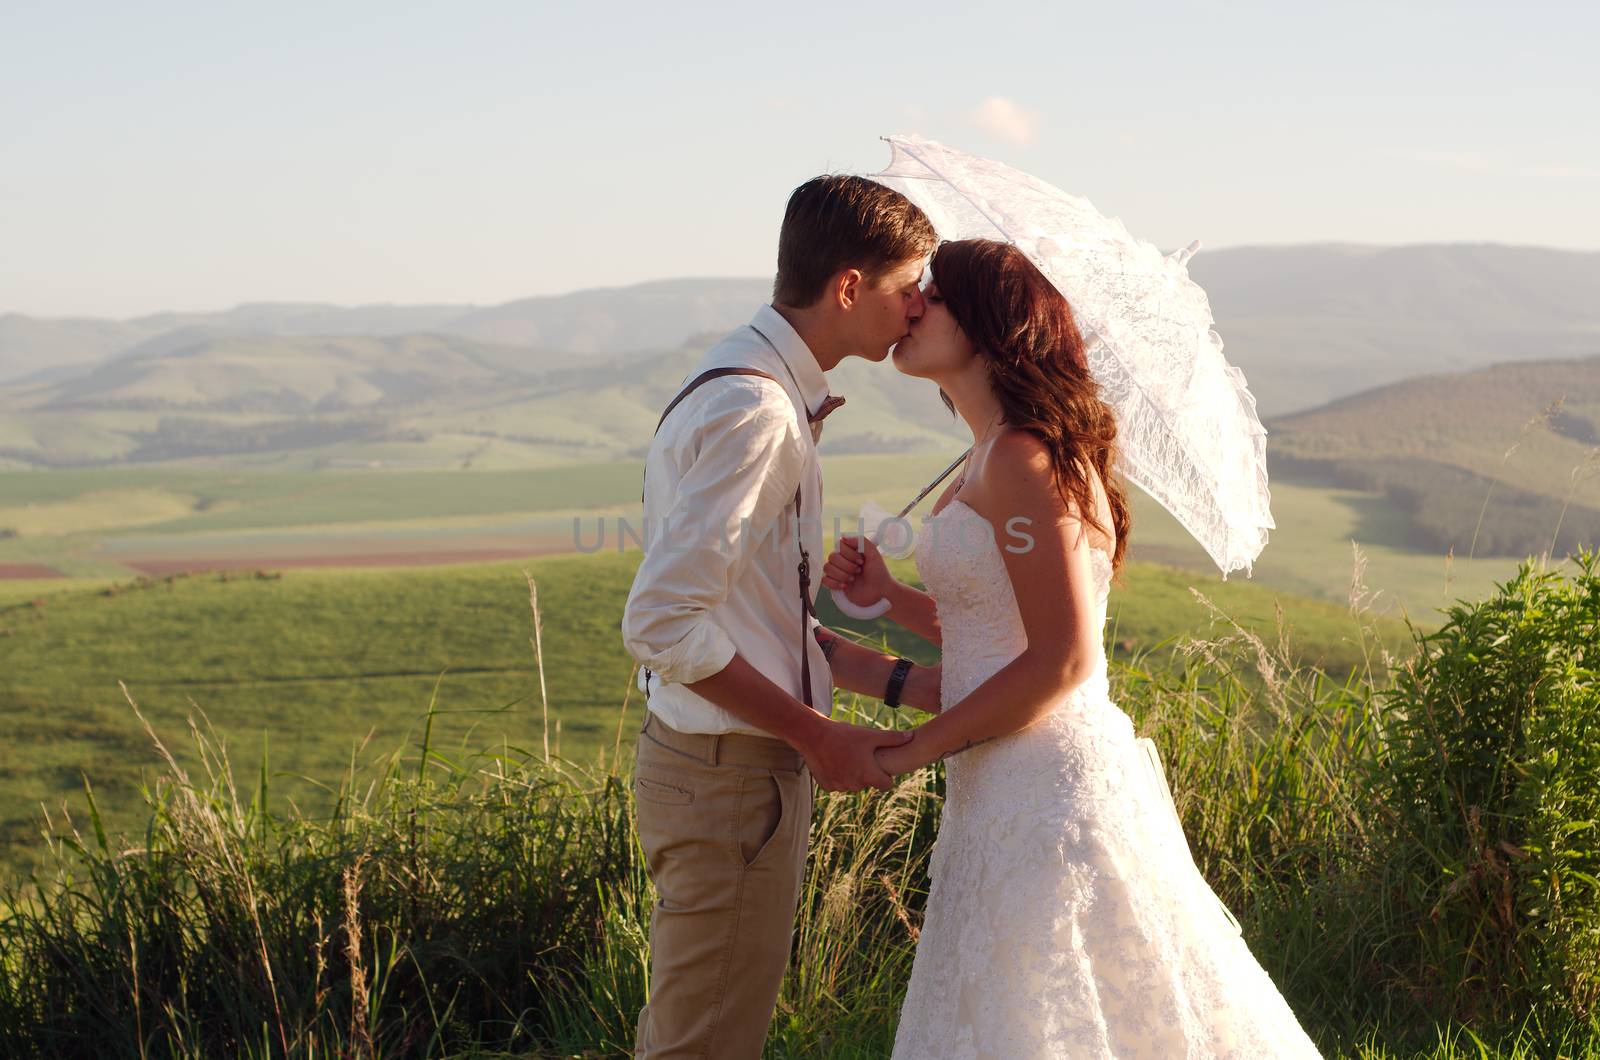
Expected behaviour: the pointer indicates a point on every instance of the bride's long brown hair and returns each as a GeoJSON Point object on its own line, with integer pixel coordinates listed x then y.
{"type": "Point", "coordinates": [1023, 328]}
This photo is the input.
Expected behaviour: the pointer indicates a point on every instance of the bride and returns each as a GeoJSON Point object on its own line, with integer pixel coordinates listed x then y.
{"type": "Point", "coordinates": [1065, 917]}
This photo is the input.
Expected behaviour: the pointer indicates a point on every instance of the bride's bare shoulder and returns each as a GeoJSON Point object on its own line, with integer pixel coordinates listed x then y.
{"type": "Point", "coordinates": [1015, 459]}
{"type": "Point", "coordinates": [1015, 469]}
{"type": "Point", "coordinates": [1019, 469]}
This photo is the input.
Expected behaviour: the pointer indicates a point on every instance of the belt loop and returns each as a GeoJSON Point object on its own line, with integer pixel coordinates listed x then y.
{"type": "Point", "coordinates": [712, 747]}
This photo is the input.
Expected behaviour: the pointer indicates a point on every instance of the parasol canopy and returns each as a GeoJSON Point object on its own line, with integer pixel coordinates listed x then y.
{"type": "Point", "coordinates": [1188, 434]}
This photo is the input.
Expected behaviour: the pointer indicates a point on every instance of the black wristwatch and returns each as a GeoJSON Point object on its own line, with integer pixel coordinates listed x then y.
{"type": "Point", "coordinates": [897, 682]}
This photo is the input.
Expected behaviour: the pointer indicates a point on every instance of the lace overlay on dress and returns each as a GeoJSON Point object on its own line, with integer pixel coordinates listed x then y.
{"type": "Point", "coordinates": [1065, 917]}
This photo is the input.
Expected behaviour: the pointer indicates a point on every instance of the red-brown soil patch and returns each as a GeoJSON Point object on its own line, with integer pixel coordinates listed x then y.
{"type": "Point", "coordinates": [28, 570]}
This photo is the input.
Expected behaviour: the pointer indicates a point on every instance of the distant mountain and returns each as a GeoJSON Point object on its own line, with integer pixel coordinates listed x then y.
{"type": "Point", "coordinates": [1309, 324]}
{"type": "Point", "coordinates": [609, 410]}
{"type": "Point", "coordinates": [36, 348]}
{"type": "Point", "coordinates": [646, 317]}
{"type": "Point", "coordinates": [407, 399]}
{"type": "Point", "coordinates": [311, 318]}
{"type": "Point", "coordinates": [1509, 455]}
{"type": "Point", "coordinates": [32, 347]}
{"type": "Point", "coordinates": [582, 375]}
{"type": "Point", "coordinates": [194, 369]}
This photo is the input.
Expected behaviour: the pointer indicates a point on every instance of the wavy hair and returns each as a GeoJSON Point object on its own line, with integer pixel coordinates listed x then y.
{"type": "Point", "coordinates": [1023, 328]}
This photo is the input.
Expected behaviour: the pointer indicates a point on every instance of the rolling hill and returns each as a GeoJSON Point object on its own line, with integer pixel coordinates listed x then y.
{"type": "Point", "coordinates": [406, 400]}
{"type": "Point", "coordinates": [1309, 324]}
{"type": "Point", "coordinates": [643, 318]}
{"type": "Point", "coordinates": [190, 370]}
{"type": "Point", "coordinates": [600, 323]}
{"type": "Point", "coordinates": [581, 376]}
{"type": "Point", "coordinates": [191, 393]}
{"type": "Point", "coordinates": [1505, 456]}
{"type": "Point", "coordinates": [32, 348]}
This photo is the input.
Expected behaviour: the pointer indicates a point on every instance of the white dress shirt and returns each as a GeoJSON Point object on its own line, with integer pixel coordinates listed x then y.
{"type": "Point", "coordinates": [720, 573]}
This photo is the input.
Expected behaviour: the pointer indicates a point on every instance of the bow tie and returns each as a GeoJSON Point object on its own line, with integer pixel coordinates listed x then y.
{"type": "Point", "coordinates": [829, 403]}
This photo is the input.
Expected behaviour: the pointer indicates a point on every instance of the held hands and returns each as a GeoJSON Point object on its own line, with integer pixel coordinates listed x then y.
{"type": "Point", "coordinates": [856, 568]}
{"type": "Point", "coordinates": [842, 757]}
{"type": "Point", "coordinates": [902, 758]}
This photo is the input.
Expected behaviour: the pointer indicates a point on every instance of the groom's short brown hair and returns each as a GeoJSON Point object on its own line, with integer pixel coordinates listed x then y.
{"type": "Point", "coordinates": [845, 222]}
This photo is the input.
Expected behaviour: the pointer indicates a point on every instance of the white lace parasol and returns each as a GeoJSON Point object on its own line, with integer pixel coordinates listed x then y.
{"type": "Point", "coordinates": [1187, 425]}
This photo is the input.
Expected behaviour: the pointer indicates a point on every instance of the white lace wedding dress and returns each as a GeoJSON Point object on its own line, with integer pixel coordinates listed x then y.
{"type": "Point", "coordinates": [1065, 917]}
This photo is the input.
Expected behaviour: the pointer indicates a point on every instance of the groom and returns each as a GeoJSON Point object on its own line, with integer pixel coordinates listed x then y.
{"type": "Point", "coordinates": [719, 618]}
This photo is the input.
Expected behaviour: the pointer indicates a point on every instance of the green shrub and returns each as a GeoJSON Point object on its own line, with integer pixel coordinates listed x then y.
{"type": "Point", "coordinates": [1490, 774]}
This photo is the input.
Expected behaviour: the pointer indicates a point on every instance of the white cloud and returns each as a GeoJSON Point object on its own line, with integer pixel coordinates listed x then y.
{"type": "Point", "coordinates": [1004, 120]}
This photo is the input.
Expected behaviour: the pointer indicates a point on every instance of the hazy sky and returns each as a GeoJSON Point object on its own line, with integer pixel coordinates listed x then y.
{"type": "Point", "coordinates": [192, 156]}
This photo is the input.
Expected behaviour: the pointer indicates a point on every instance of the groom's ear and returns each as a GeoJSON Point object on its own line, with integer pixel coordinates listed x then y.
{"type": "Point", "coordinates": [847, 286]}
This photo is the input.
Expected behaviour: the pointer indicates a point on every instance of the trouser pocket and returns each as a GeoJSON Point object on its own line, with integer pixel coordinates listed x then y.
{"type": "Point", "coordinates": [764, 816]}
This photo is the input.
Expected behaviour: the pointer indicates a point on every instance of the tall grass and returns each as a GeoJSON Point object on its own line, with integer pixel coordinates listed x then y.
{"type": "Point", "coordinates": [476, 902]}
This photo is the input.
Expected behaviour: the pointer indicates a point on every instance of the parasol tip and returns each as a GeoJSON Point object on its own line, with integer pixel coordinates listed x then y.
{"type": "Point", "coordinates": [1180, 257]}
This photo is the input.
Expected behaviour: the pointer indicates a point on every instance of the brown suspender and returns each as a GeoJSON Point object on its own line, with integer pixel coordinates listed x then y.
{"type": "Point", "coordinates": [806, 610]}
{"type": "Point", "coordinates": [706, 377]}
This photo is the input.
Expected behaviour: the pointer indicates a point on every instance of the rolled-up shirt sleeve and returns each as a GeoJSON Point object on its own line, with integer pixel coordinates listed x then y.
{"type": "Point", "coordinates": [746, 463]}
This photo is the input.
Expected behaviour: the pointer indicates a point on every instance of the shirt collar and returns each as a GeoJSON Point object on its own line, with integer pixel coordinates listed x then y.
{"type": "Point", "coordinates": [796, 354]}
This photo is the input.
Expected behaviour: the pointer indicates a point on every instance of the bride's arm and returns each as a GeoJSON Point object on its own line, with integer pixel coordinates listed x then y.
{"type": "Point", "coordinates": [860, 669]}
{"type": "Point", "coordinates": [1053, 580]}
{"type": "Point", "coordinates": [913, 609]}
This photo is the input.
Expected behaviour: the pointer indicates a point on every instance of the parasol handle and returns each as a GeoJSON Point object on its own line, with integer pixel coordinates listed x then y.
{"type": "Point", "coordinates": [865, 614]}
{"type": "Point", "coordinates": [877, 608]}
{"type": "Point", "coordinates": [880, 521]}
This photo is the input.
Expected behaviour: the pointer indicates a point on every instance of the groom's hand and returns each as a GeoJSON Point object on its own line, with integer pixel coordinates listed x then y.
{"type": "Point", "coordinates": [844, 757]}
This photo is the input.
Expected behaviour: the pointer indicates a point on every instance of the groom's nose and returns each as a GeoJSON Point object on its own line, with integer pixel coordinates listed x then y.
{"type": "Point", "coordinates": [915, 308]}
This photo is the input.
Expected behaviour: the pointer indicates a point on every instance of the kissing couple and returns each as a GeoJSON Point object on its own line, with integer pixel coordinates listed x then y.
{"type": "Point", "coordinates": [1065, 917]}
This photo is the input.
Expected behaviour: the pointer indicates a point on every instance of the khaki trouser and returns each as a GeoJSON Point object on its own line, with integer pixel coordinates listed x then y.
{"type": "Point", "coordinates": [724, 822]}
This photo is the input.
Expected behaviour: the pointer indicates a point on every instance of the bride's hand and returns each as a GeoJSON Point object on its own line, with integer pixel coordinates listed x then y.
{"type": "Point", "coordinates": [904, 758]}
{"type": "Point", "coordinates": [857, 569]}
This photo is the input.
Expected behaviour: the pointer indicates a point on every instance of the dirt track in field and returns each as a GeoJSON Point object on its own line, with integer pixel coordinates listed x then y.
{"type": "Point", "coordinates": [424, 558]}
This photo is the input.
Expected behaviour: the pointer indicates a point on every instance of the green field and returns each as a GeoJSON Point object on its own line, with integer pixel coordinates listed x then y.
{"type": "Point", "coordinates": [312, 664]}
{"type": "Point", "coordinates": [1313, 552]}
{"type": "Point", "coordinates": [315, 666]}
{"type": "Point", "coordinates": [94, 523]}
